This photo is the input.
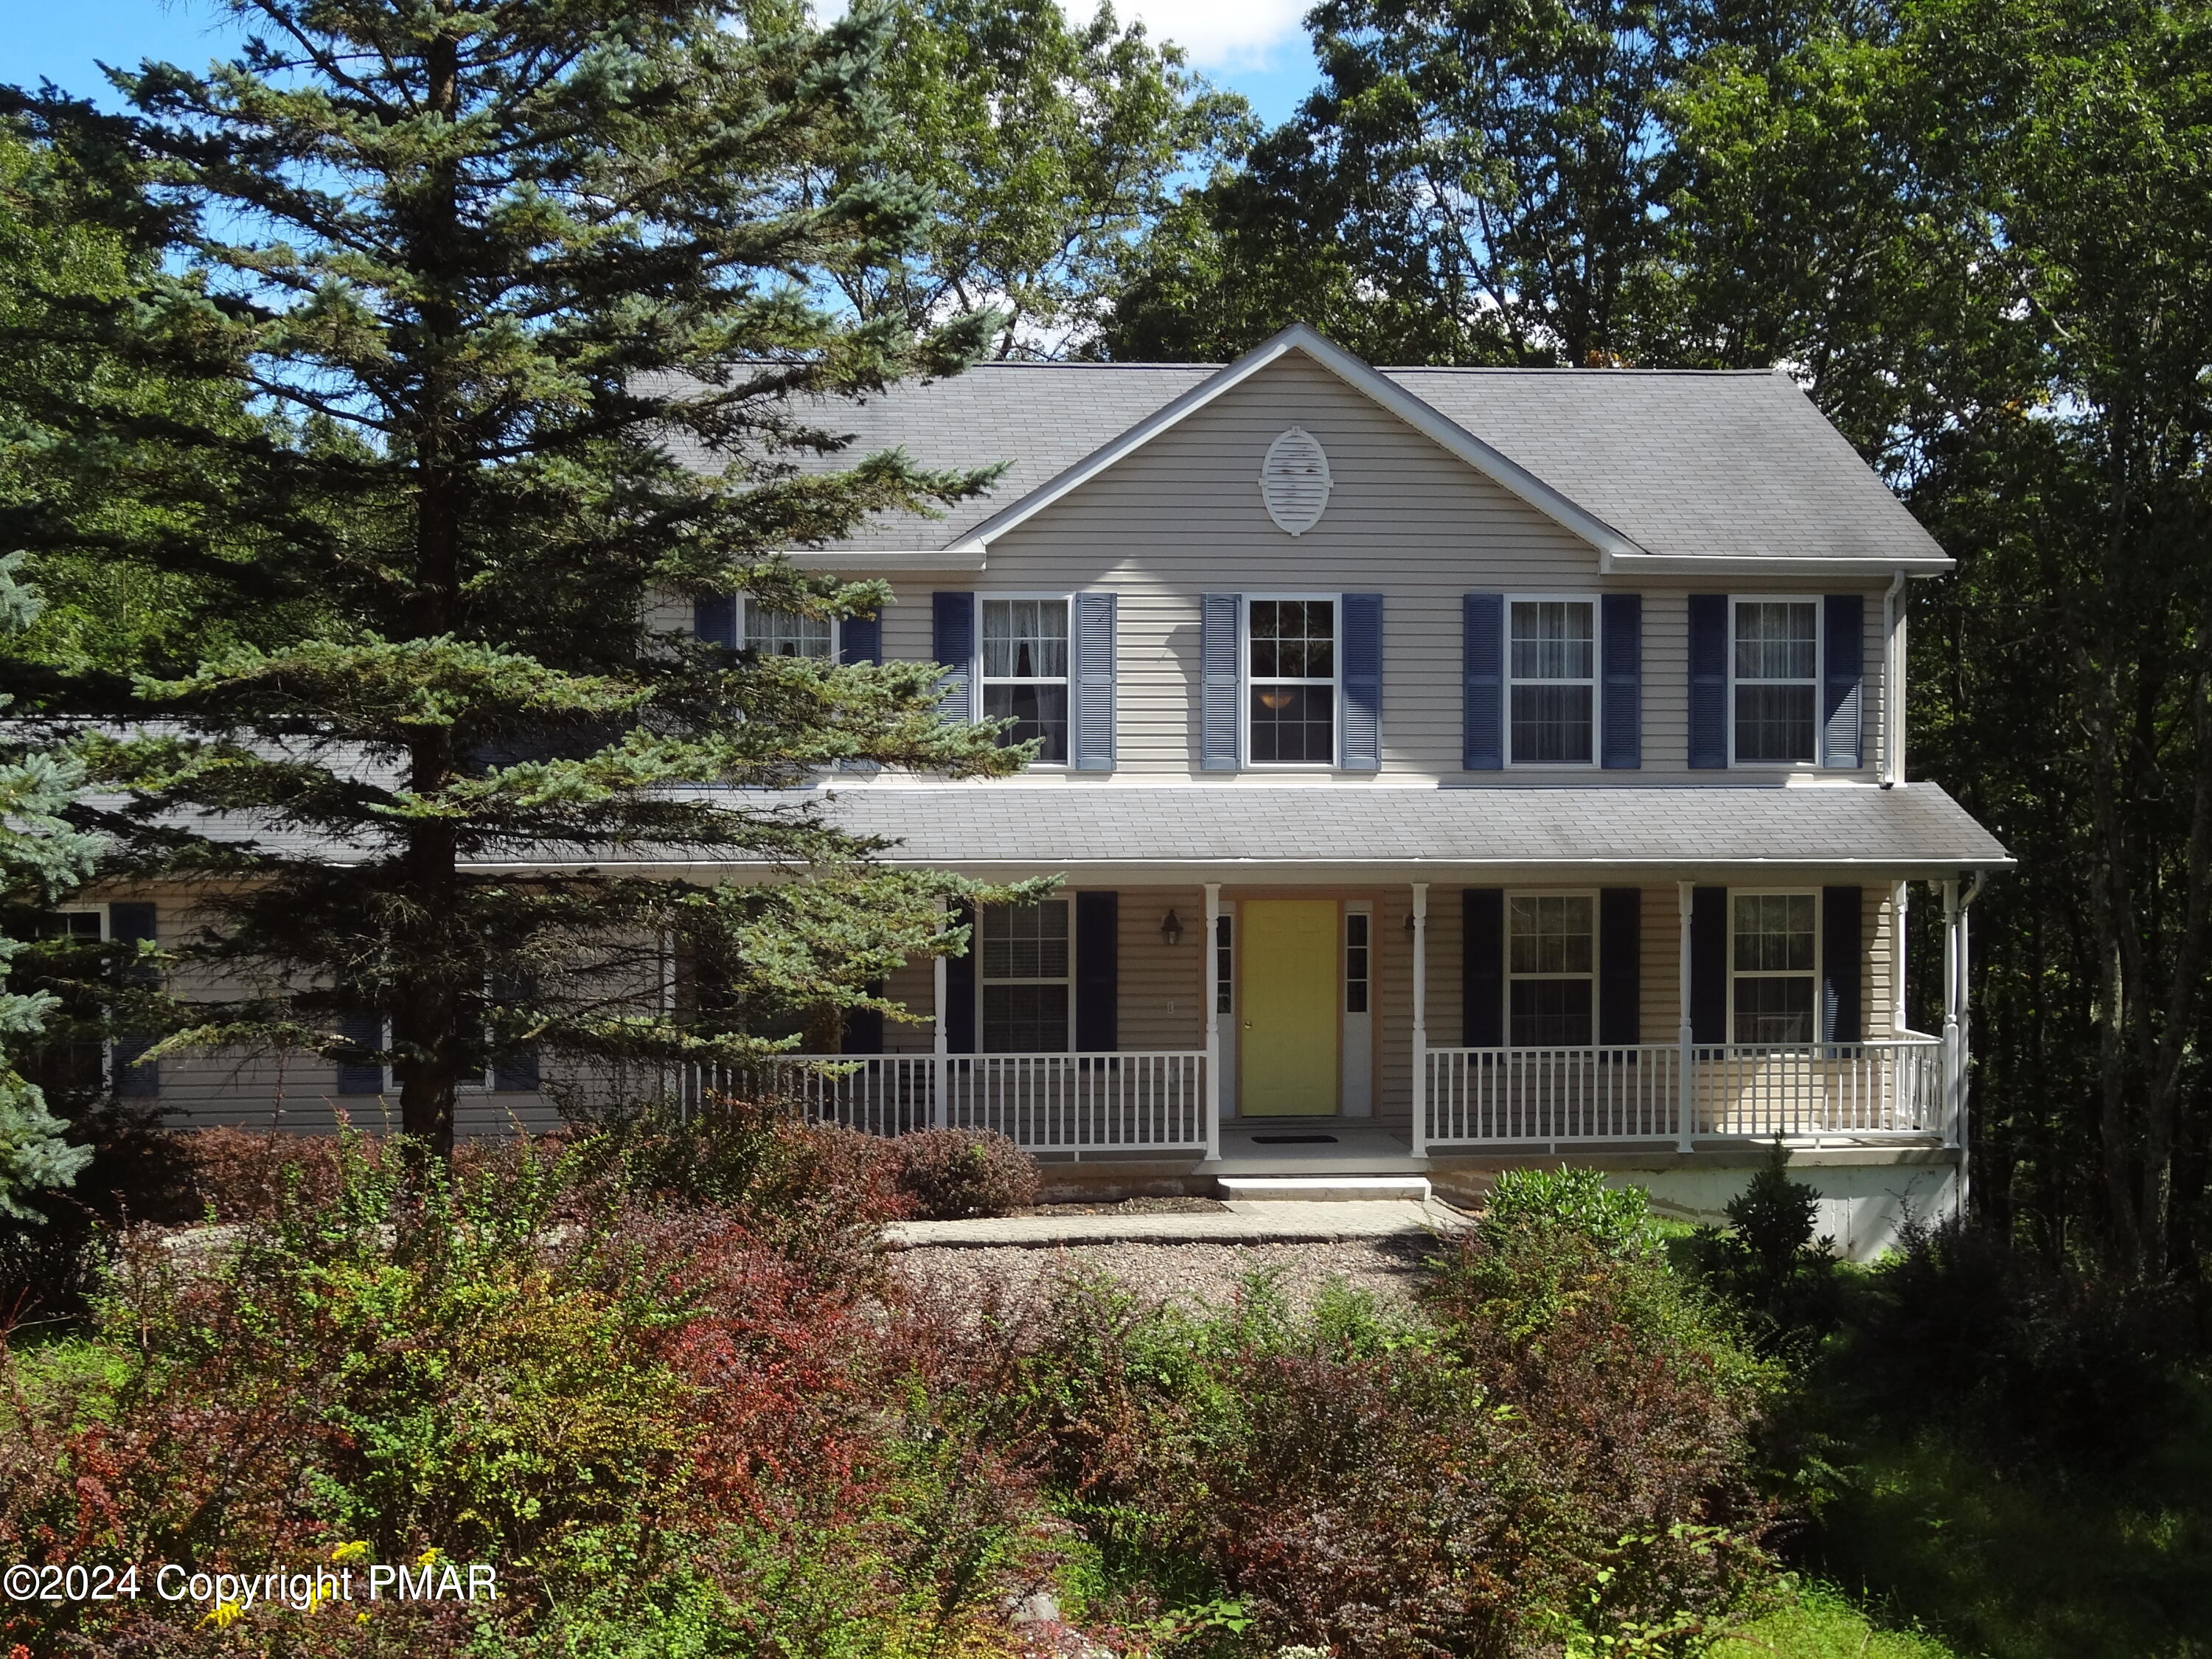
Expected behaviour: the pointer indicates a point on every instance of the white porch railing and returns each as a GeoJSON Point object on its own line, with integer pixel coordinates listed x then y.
{"type": "Point", "coordinates": [1042, 1102]}
{"type": "Point", "coordinates": [1580, 1097]}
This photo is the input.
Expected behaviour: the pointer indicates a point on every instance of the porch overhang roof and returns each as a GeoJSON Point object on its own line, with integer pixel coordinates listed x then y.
{"type": "Point", "coordinates": [1252, 833]}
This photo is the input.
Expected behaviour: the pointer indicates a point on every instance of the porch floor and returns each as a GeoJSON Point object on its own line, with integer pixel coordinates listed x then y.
{"type": "Point", "coordinates": [1358, 1146]}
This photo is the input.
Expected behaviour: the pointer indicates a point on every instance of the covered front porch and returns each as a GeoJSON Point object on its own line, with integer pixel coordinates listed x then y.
{"type": "Point", "coordinates": [1239, 1026]}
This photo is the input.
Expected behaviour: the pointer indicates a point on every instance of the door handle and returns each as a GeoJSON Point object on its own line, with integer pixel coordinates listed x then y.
{"type": "Point", "coordinates": [1247, 1025]}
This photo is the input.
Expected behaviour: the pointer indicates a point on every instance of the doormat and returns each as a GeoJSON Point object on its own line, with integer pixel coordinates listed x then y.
{"type": "Point", "coordinates": [1295, 1140]}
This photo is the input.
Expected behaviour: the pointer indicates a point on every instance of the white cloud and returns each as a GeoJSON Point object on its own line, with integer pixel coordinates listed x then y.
{"type": "Point", "coordinates": [1219, 33]}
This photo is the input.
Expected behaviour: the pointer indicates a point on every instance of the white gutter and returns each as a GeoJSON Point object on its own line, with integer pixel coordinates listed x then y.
{"type": "Point", "coordinates": [1892, 683]}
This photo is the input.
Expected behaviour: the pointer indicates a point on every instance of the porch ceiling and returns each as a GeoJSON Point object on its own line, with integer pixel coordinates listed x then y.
{"type": "Point", "coordinates": [1249, 833]}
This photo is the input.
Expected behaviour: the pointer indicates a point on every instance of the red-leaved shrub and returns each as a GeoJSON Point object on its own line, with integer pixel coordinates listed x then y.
{"type": "Point", "coordinates": [958, 1174]}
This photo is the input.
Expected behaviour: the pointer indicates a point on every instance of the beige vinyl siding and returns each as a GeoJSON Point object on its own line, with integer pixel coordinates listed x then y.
{"type": "Point", "coordinates": [1182, 517]}
{"type": "Point", "coordinates": [1162, 994]}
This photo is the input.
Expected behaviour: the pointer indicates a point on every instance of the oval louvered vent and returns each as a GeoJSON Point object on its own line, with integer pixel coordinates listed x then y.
{"type": "Point", "coordinates": [1294, 481]}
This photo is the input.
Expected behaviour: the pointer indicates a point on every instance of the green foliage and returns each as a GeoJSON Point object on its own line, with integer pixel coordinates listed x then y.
{"type": "Point", "coordinates": [41, 859]}
{"type": "Point", "coordinates": [1044, 145]}
{"type": "Point", "coordinates": [487, 283]}
{"type": "Point", "coordinates": [1817, 1621]}
{"type": "Point", "coordinates": [1616, 1220]}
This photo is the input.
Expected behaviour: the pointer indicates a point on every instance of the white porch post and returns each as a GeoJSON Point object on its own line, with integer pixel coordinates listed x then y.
{"type": "Point", "coordinates": [1900, 912]}
{"type": "Point", "coordinates": [1685, 1104]}
{"type": "Point", "coordinates": [939, 1072]}
{"type": "Point", "coordinates": [1954, 986]}
{"type": "Point", "coordinates": [1420, 1019]}
{"type": "Point", "coordinates": [1212, 947]}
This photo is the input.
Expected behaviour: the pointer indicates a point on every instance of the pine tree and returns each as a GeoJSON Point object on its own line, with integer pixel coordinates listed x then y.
{"type": "Point", "coordinates": [495, 269]}
{"type": "Point", "coordinates": [41, 858]}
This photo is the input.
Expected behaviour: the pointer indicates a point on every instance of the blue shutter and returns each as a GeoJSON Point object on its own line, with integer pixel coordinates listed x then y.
{"type": "Point", "coordinates": [1220, 618]}
{"type": "Point", "coordinates": [1708, 678]}
{"type": "Point", "coordinates": [1482, 968]}
{"type": "Point", "coordinates": [1621, 639]}
{"type": "Point", "coordinates": [1709, 954]}
{"type": "Point", "coordinates": [1620, 965]}
{"type": "Point", "coordinates": [361, 1077]}
{"type": "Point", "coordinates": [1843, 699]}
{"type": "Point", "coordinates": [959, 1010]}
{"type": "Point", "coordinates": [1482, 710]}
{"type": "Point", "coordinates": [714, 619]}
{"type": "Point", "coordinates": [1360, 728]}
{"type": "Point", "coordinates": [952, 645]}
{"type": "Point", "coordinates": [1094, 683]}
{"type": "Point", "coordinates": [128, 923]}
{"type": "Point", "coordinates": [860, 640]}
{"type": "Point", "coordinates": [516, 1070]}
{"type": "Point", "coordinates": [1843, 957]}
{"type": "Point", "coordinates": [1097, 972]}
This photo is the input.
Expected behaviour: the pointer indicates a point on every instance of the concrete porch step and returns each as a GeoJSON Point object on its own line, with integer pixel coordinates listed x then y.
{"type": "Point", "coordinates": [1322, 1188]}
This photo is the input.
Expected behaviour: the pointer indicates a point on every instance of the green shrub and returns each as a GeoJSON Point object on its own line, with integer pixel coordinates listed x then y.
{"type": "Point", "coordinates": [1616, 1220]}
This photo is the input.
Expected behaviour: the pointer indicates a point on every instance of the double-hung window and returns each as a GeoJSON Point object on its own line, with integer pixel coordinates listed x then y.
{"type": "Point", "coordinates": [1772, 983]}
{"type": "Point", "coordinates": [1024, 977]}
{"type": "Point", "coordinates": [1778, 668]}
{"type": "Point", "coordinates": [1025, 672]}
{"type": "Point", "coordinates": [788, 634]}
{"type": "Point", "coordinates": [1554, 681]}
{"type": "Point", "coordinates": [1290, 670]}
{"type": "Point", "coordinates": [1550, 970]}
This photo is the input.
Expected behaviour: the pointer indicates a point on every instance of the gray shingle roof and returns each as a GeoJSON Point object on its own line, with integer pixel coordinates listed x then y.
{"type": "Point", "coordinates": [1723, 464]}
{"type": "Point", "coordinates": [1055, 827]}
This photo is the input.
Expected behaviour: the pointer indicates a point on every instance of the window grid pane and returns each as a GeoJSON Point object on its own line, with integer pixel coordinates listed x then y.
{"type": "Point", "coordinates": [1551, 723]}
{"type": "Point", "coordinates": [1025, 941]}
{"type": "Point", "coordinates": [1776, 641]}
{"type": "Point", "coordinates": [1553, 640]}
{"type": "Point", "coordinates": [1025, 638]}
{"type": "Point", "coordinates": [1024, 1019]}
{"type": "Point", "coordinates": [1356, 925]}
{"type": "Point", "coordinates": [1551, 1013]}
{"type": "Point", "coordinates": [1294, 639]}
{"type": "Point", "coordinates": [1552, 934]}
{"type": "Point", "coordinates": [1774, 1009]}
{"type": "Point", "coordinates": [786, 633]}
{"type": "Point", "coordinates": [1773, 933]}
{"type": "Point", "coordinates": [1294, 723]}
{"type": "Point", "coordinates": [1039, 713]}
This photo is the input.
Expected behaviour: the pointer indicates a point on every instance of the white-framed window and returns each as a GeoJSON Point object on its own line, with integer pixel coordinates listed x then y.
{"type": "Point", "coordinates": [786, 633]}
{"type": "Point", "coordinates": [1024, 670]}
{"type": "Point", "coordinates": [1027, 953]}
{"type": "Point", "coordinates": [1774, 954]}
{"type": "Point", "coordinates": [62, 1068]}
{"type": "Point", "coordinates": [1289, 673]}
{"type": "Point", "coordinates": [1359, 961]}
{"type": "Point", "coordinates": [1552, 671]}
{"type": "Point", "coordinates": [1775, 677]}
{"type": "Point", "coordinates": [1550, 970]}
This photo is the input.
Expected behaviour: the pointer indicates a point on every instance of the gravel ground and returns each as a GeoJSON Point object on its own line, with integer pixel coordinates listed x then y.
{"type": "Point", "coordinates": [1197, 1276]}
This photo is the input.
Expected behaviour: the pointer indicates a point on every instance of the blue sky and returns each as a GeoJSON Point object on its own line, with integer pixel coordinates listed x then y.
{"type": "Point", "coordinates": [1255, 47]}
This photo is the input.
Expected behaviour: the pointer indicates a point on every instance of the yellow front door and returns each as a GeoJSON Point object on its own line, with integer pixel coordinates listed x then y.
{"type": "Point", "coordinates": [1286, 1059]}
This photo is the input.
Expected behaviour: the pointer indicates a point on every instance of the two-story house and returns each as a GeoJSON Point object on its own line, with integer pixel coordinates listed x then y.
{"type": "Point", "coordinates": [1445, 767]}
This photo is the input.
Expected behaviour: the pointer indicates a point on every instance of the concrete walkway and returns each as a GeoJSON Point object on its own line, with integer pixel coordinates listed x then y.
{"type": "Point", "coordinates": [1248, 1222]}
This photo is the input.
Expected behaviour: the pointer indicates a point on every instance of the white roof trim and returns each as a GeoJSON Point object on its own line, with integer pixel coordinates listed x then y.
{"type": "Point", "coordinates": [969, 556]}
{"type": "Point", "coordinates": [1421, 416]}
{"type": "Point", "coordinates": [1777, 564]}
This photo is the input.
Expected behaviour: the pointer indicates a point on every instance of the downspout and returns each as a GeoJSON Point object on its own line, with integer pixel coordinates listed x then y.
{"type": "Point", "coordinates": [1962, 1047]}
{"type": "Point", "coordinates": [1892, 683]}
